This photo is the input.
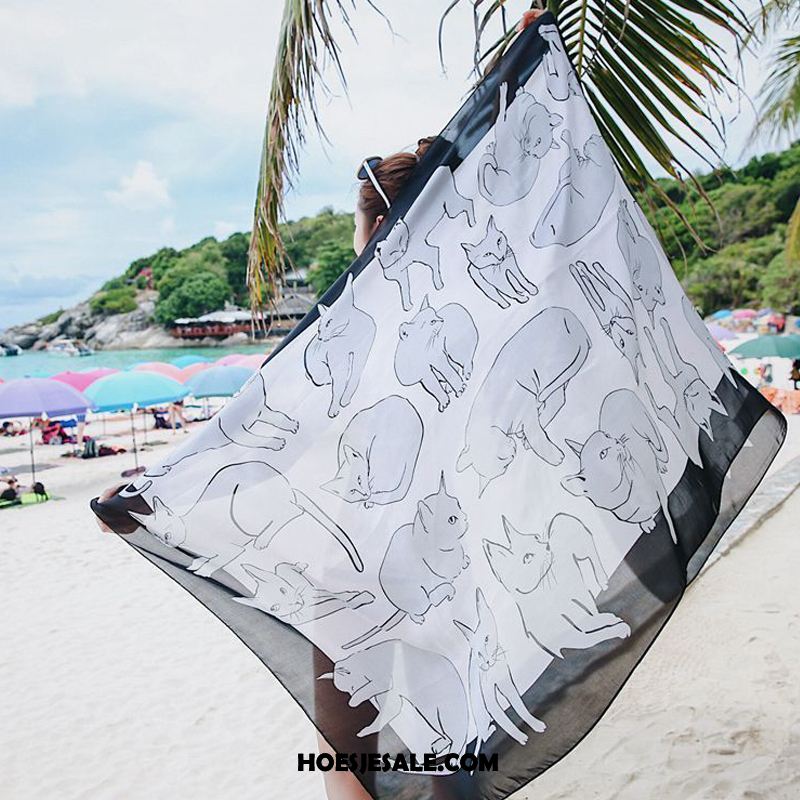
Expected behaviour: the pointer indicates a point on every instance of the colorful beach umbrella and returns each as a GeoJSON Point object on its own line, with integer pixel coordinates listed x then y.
{"type": "Point", "coordinates": [229, 360]}
{"type": "Point", "coordinates": [787, 346]}
{"type": "Point", "coordinates": [218, 381]}
{"type": "Point", "coordinates": [193, 369]}
{"type": "Point", "coordinates": [744, 313]}
{"type": "Point", "coordinates": [160, 368]}
{"type": "Point", "coordinates": [255, 361]}
{"type": "Point", "coordinates": [181, 362]}
{"type": "Point", "coordinates": [80, 380]}
{"type": "Point", "coordinates": [722, 313]}
{"type": "Point", "coordinates": [719, 332]}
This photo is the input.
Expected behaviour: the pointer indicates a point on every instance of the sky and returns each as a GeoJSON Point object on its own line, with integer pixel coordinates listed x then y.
{"type": "Point", "coordinates": [125, 127]}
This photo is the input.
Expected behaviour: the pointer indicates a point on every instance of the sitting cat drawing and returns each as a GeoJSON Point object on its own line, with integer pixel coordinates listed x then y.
{"type": "Point", "coordinates": [490, 680]}
{"type": "Point", "coordinates": [337, 355]}
{"type": "Point", "coordinates": [559, 76]}
{"type": "Point", "coordinates": [621, 464]}
{"type": "Point", "coordinates": [694, 401]}
{"type": "Point", "coordinates": [240, 504]}
{"type": "Point", "coordinates": [248, 432]}
{"type": "Point", "coordinates": [378, 453]}
{"type": "Point", "coordinates": [613, 307]}
{"type": "Point", "coordinates": [422, 561]}
{"type": "Point", "coordinates": [407, 243]}
{"type": "Point", "coordinates": [494, 270]}
{"type": "Point", "coordinates": [287, 593]}
{"type": "Point", "coordinates": [523, 391]}
{"type": "Point", "coordinates": [585, 184]}
{"type": "Point", "coordinates": [703, 334]}
{"type": "Point", "coordinates": [554, 579]}
{"type": "Point", "coordinates": [436, 350]}
{"type": "Point", "coordinates": [398, 677]}
{"type": "Point", "coordinates": [523, 135]}
{"type": "Point", "coordinates": [642, 260]}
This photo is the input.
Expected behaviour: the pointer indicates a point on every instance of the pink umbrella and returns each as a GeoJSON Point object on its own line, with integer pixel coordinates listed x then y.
{"type": "Point", "coordinates": [232, 359]}
{"type": "Point", "coordinates": [744, 313]}
{"type": "Point", "coordinates": [159, 367]}
{"type": "Point", "coordinates": [192, 370]}
{"type": "Point", "coordinates": [80, 380]}
{"type": "Point", "coordinates": [255, 361]}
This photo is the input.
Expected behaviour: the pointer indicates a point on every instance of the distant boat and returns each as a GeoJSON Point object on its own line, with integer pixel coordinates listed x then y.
{"type": "Point", "coordinates": [9, 350]}
{"type": "Point", "coordinates": [69, 347]}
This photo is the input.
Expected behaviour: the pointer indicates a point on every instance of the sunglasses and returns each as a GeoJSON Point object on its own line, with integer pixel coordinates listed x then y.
{"type": "Point", "coordinates": [366, 173]}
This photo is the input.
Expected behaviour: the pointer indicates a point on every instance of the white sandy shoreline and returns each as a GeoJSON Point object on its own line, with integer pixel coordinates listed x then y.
{"type": "Point", "coordinates": [118, 684]}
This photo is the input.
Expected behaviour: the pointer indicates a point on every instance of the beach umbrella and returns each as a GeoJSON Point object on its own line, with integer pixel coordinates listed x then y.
{"type": "Point", "coordinates": [160, 368]}
{"type": "Point", "coordinates": [39, 397]}
{"type": "Point", "coordinates": [255, 361]}
{"type": "Point", "coordinates": [229, 360]}
{"type": "Point", "coordinates": [787, 346]}
{"type": "Point", "coordinates": [181, 362]}
{"type": "Point", "coordinates": [218, 381]}
{"type": "Point", "coordinates": [719, 332]}
{"type": "Point", "coordinates": [722, 313]}
{"type": "Point", "coordinates": [127, 391]}
{"type": "Point", "coordinates": [80, 380]}
{"type": "Point", "coordinates": [193, 369]}
{"type": "Point", "coordinates": [744, 313]}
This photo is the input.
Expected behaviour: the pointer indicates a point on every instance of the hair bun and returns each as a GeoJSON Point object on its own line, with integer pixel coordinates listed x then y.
{"type": "Point", "coordinates": [423, 145]}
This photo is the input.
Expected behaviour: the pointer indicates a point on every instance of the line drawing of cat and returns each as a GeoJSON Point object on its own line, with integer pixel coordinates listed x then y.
{"type": "Point", "coordinates": [523, 391]}
{"type": "Point", "coordinates": [585, 185]}
{"type": "Point", "coordinates": [257, 501]}
{"type": "Point", "coordinates": [704, 335]}
{"type": "Point", "coordinates": [377, 453]}
{"type": "Point", "coordinates": [393, 674]}
{"type": "Point", "coordinates": [642, 260]}
{"type": "Point", "coordinates": [223, 432]}
{"type": "Point", "coordinates": [694, 400]}
{"type": "Point", "coordinates": [560, 78]}
{"type": "Point", "coordinates": [621, 464]}
{"type": "Point", "coordinates": [490, 676]}
{"type": "Point", "coordinates": [613, 307]}
{"type": "Point", "coordinates": [337, 355]}
{"type": "Point", "coordinates": [422, 561]}
{"type": "Point", "coordinates": [554, 579]}
{"type": "Point", "coordinates": [523, 135]}
{"type": "Point", "coordinates": [494, 269]}
{"type": "Point", "coordinates": [407, 242]}
{"type": "Point", "coordinates": [287, 593]}
{"type": "Point", "coordinates": [436, 349]}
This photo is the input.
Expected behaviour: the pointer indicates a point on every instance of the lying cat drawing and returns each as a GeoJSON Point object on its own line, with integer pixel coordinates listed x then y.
{"type": "Point", "coordinates": [490, 680]}
{"type": "Point", "coordinates": [436, 350]}
{"type": "Point", "coordinates": [407, 243]}
{"type": "Point", "coordinates": [241, 504]}
{"type": "Point", "coordinates": [522, 393]}
{"type": "Point", "coordinates": [560, 77]}
{"type": "Point", "coordinates": [621, 464]}
{"type": "Point", "coordinates": [554, 579]}
{"type": "Point", "coordinates": [523, 135]}
{"type": "Point", "coordinates": [694, 401]}
{"type": "Point", "coordinates": [585, 184]}
{"type": "Point", "coordinates": [494, 270]}
{"type": "Point", "coordinates": [703, 334]}
{"type": "Point", "coordinates": [287, 593]}
{"type": "Point", "coordinates": [422, 561]}
{"type": "Point", "coordinates": [642, 261]}
{"type": "Point", "coordinates": [613, 307]}
{"type": "Point", "coordinates": [337, 355]}
{"type": "Point", "coordinates": [252, 432]}
{"type": "Point", "coordinates": [397, 676]}
{"type": "Point", "coordinates": [378, 453]}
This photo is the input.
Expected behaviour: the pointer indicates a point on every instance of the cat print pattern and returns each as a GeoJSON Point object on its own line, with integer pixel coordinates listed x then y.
{"type": "Point", "coordinates": [436, 349]}
{"type": "Point", "coordinates": [523, 391]}
{"type": "Point", "coordinates": [560, 78]}
{"type": "Point", "coordinates": [494, 270]}
{"type": "Point", "coordinates": [337, 355]}
{"type": "Point", "coordinates": [555, 578]}
{"type": "Point", "coordinates": [704, 335]}
{"type": "Point", "coordinates": [621, 464]}
{"type": "Point", "coordinates": [523, 136]}
{"type": "Point", "coordinates": [377, 453]}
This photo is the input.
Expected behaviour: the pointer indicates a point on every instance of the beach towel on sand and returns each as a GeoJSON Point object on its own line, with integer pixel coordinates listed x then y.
{"type": "Point", "coordinates": [456, 506]}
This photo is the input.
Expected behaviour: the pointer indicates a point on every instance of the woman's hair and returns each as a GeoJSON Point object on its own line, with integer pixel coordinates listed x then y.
{"type": "Point", "coordinates": [392, 174]}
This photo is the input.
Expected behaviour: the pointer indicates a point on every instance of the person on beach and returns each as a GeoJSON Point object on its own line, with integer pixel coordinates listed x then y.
{"type": "Point", "coordinates": [381, 181]}
{"type": "Point", "coordinates": [794, 374]}
{"type": "Point", "coordinates": [13, 489]}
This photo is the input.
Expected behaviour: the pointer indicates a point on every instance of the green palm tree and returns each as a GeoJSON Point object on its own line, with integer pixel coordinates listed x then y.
{"type": "Point", "coordinates": [652, 71]}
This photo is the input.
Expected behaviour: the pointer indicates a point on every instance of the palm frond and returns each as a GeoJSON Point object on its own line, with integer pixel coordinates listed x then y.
{"type": "Point", "coordinates": [780, 107]}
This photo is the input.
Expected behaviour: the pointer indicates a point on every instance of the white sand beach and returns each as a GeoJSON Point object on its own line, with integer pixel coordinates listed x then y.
{"type": "Point", "coordinates": [118, 684]}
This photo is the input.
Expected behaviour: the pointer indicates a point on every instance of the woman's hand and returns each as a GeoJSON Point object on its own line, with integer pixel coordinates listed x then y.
{"type": "Point", "coordinates": [529, 17]}
{"type": "Point", "coordinates": [107, 495]}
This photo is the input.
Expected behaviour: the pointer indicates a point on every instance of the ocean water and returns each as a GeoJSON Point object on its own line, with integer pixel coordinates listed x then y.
{"type": "Point", "coordinates": [42, 364]}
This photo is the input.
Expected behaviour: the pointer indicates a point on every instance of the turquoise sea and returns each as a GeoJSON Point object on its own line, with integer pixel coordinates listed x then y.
{"type": "Point", "coordinates": [42, 364]}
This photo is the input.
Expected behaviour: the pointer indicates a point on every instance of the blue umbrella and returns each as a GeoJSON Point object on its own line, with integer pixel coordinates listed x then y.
{"type": "Point", "coordinates": [187, 361]}
{"type": "Point", "coordinates": [124, 391]}
{"type": "Point", "coordinates": [722, 313]}
{"type": "Point", "coordinates": [39, 397]}
{"type": "Point", "coordinates": [222, 381]}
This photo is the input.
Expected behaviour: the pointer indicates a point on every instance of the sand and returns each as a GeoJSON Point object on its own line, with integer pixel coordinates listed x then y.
{"type": "Point", "coordinates": [117, 684]}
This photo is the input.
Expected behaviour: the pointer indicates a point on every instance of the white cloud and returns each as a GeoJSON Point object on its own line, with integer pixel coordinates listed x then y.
{"type": "Point", "coordinates": [143, 189]}
{"type": "Point", "coordinates": [223, 229]}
